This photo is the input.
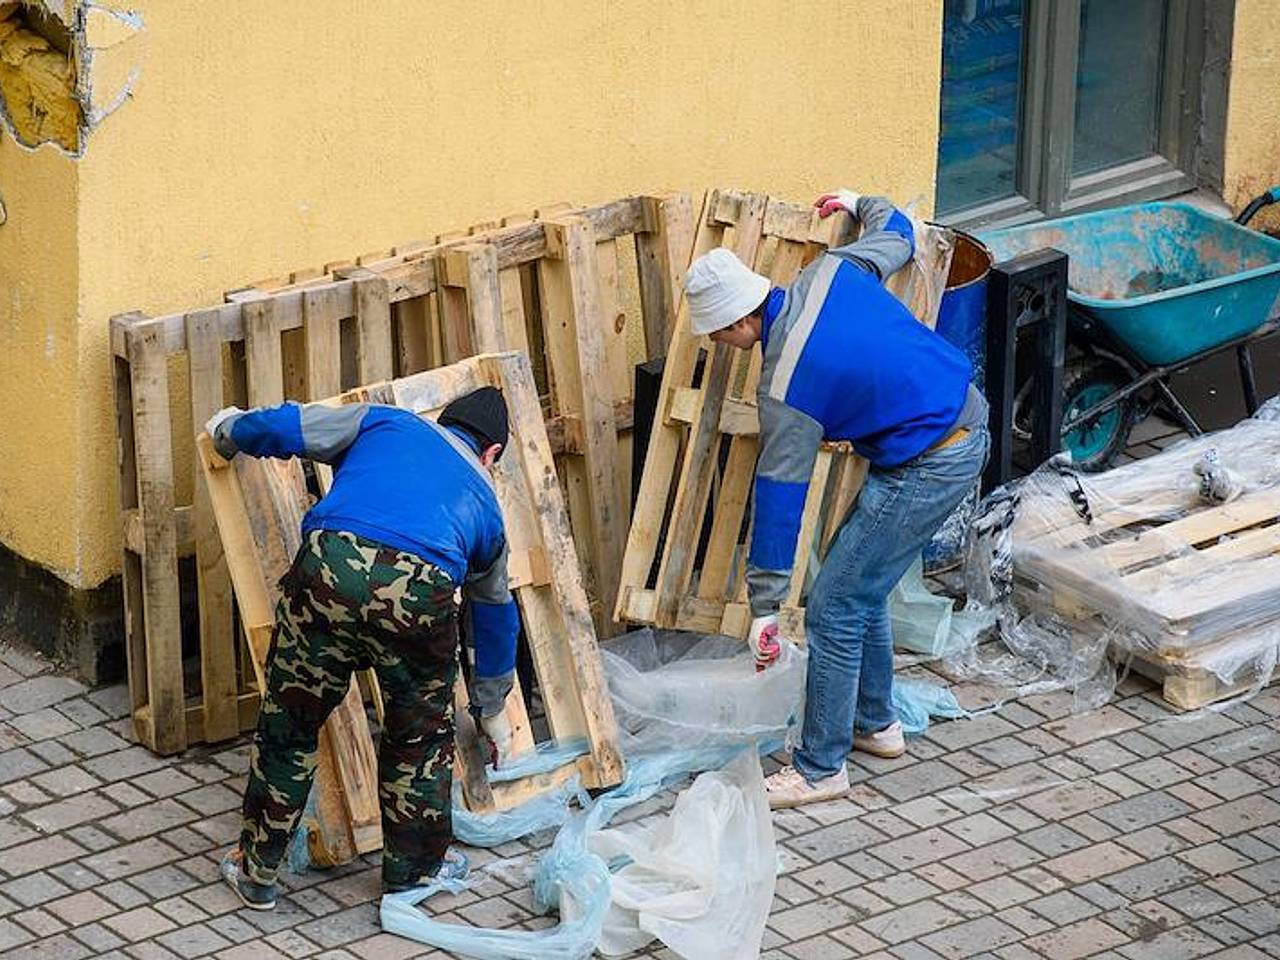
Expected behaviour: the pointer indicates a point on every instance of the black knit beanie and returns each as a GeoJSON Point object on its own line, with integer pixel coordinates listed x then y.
{"type": "Point", "coordinates": [482, 413]}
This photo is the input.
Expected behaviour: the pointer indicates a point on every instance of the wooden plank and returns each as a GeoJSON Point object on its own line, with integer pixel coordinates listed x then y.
{"type": "Point", "coordinates": [131, 555]}
{"type": "Point", "coordinates": [321, 324]}
{"type": "Point", "coordinates": [373, 328]}
{"type": "Point", "coordinates": [851, 474]}
{"type": "Point", "coordinates": [579, 656]}
{"type": "Point", "coordinates": [569, 283]}
{"type": "Point", "coordinates": [471, 755]}
{"type": "Point", "coordinates": [512, 793]}
{"type": "Point", "coordinates": [731, 506]}
{"type": "Point", "coordinates": [411, 320]}
{"type": "Point", "coordinates": [263, 359]}
{"type": "Point", "coordinates": [621, 381]}
{"type": "Point", "coordinates": [1200, 526]}
{"type": "Point", "coordinates": [217, 628]}
{"type": "Point", "coordinates": [515, 330]}
{"type": "Point", "coordinates": [1250, 545]}
{"type": "Point", "coordinates": [565, 433]}
{"type": "Point", "coordinates": [809, 520]}
{"type": "Point", "coordinates": [662, 257]}
{"type": "Point", "coordinates": [246, 715]}
{"type": "Point", "coordinates": [455, 319]}
{"type": "Point", "coordinates": [134, 537]}
{"type": "Point", "coordinates": [172, 330]}
{"type": "Point", "coordinates": [153, 463]}
{"type": "Point", "coordinates": [737, 417]}
{"type": "Point", "coordinates": [473, 268]}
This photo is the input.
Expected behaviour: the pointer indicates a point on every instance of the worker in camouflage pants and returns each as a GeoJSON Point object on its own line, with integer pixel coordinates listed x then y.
{"type": "Point", "coordinates": [411, 517]}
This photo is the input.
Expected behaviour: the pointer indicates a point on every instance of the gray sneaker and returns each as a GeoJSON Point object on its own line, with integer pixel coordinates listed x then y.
{"type": "Point", "coordinates": [254, 895]}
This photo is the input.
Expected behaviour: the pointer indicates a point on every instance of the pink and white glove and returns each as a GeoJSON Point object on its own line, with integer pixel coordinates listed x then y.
{"type": "Point", "coordinates": [497, 730]}
{"type": "Point", "coordinates": [829, 203]}
{"type": "Point", "coordinates": [766, 645]}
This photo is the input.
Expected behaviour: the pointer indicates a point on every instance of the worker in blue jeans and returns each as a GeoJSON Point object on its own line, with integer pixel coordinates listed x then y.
{"type": "Point", "coordinates": [844, 360]}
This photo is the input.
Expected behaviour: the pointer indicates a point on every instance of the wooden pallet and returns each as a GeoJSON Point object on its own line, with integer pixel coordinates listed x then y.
{"type": "Point", "coordinates": [709, 412]}
{"type": "Point", "coordinates": [388, 315]}
{"type": "Point", "coordinates": [259, 504]}
{"type": "Point", "coordinates": [234, 354]}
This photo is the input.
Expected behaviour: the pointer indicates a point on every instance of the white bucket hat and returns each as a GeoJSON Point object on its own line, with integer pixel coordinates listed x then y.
{"type": "Point", "coordinates": [721, 290]}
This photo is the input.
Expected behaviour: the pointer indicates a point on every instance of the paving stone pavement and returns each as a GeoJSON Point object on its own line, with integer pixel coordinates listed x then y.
{"type": "Point", "coordinates": [1129, 832]}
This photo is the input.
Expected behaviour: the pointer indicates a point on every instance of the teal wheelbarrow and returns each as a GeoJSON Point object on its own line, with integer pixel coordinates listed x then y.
{"type": "Point", "coordinates": [1152, 289]}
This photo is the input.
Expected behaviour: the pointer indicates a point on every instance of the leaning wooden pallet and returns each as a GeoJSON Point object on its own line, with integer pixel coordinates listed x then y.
{"type": "Point", "coordinates": [234, 354]}
{"type": "Point", "coordinates": [310, 339]}
{"type": "Point", "coordinates": [708, 410]}
{"type": "Point", "coordinates": [259, 505]}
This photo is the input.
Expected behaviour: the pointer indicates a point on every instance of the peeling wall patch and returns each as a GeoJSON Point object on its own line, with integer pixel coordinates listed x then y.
{"type": "Point", "coordinates": [46, 55]}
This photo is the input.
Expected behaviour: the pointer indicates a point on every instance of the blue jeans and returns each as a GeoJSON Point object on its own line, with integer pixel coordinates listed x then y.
{"type": "Point", "coordinates": [847, 615]}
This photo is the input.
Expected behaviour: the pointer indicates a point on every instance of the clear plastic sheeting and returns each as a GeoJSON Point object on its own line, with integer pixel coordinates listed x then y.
{"type": "Point", "coordinates": [677, 691]}
{"type": "Point", "coordinates": [1172, 563]}
{"type": "Point", "coordinates": [685, 703]}
{"type": "Point", "coordinates": [700, 879]}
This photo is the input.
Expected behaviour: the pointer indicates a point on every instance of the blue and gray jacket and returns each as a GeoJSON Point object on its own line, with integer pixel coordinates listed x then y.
{"type": "Point", "coordinates": [845, 360]}
{"type": "Point", "coordinates": [412, 485]}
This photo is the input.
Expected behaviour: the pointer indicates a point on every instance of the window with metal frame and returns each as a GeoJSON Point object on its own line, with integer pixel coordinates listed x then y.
{"type": "Point", "coordinates": [1052, 107]}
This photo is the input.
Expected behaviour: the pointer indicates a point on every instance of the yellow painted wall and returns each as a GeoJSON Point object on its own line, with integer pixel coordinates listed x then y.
{"type": "Point", "coordinates": [39, 461]}
{"type": "Point", "coordinates": [1252, 161]}
{"type": "Point", "coordinates": [269, 136]}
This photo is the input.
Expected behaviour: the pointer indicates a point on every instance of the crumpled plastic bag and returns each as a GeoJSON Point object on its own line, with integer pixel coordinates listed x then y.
{"type": "Point", "coordinates": [916, 701]}
{"type": "Point", "coordinates": [921, 621]}
{"type": "Point", "coordinates": [701, 879]}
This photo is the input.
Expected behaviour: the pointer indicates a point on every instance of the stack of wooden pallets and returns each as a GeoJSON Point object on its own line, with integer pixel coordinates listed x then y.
{"type": "Point", "coordinates": [1191, 588]}
{"type": "Point", "coordinates": [565, 285]}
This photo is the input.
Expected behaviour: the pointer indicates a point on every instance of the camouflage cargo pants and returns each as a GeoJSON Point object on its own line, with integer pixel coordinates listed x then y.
{"type": "Point", "coordinates": [349, 604]}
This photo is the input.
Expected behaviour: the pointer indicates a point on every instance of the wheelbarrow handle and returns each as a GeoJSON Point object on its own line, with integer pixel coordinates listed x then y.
{"type": "Point", "coordinates": [1257, 203]}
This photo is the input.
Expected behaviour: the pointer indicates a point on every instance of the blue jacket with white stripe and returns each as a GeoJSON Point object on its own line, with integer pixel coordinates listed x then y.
{"type": "Point", "coordinates": [405, 482]}
{"type": "Point", "coordinates": [844, 359]}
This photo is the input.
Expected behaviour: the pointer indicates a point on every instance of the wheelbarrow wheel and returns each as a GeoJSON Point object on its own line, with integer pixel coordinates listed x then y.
{"type": "Point", "coordinates": [1087, 381]}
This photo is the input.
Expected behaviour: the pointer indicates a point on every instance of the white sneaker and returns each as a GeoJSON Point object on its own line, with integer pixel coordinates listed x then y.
{"type": "Point", "coordinates": [887, 743]}
{"type": "Point", "coordinates": [789, 788]}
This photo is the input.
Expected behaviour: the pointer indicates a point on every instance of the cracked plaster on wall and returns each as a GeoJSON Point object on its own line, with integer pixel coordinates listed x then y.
{"type": "Point", "coordinates": [91, 27]}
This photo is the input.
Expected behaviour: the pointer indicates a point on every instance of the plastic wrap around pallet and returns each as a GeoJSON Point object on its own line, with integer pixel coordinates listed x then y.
{"type": "Point", "coordinates": [1154, 546]}
{"type": "Point", "coordinates": [1173, 562]}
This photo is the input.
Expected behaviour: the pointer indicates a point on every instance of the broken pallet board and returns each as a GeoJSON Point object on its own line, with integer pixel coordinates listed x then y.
{"type": "Point", "coordinates": [259, 506]}
{"type": "Point", "coordinates": [707, 411]}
